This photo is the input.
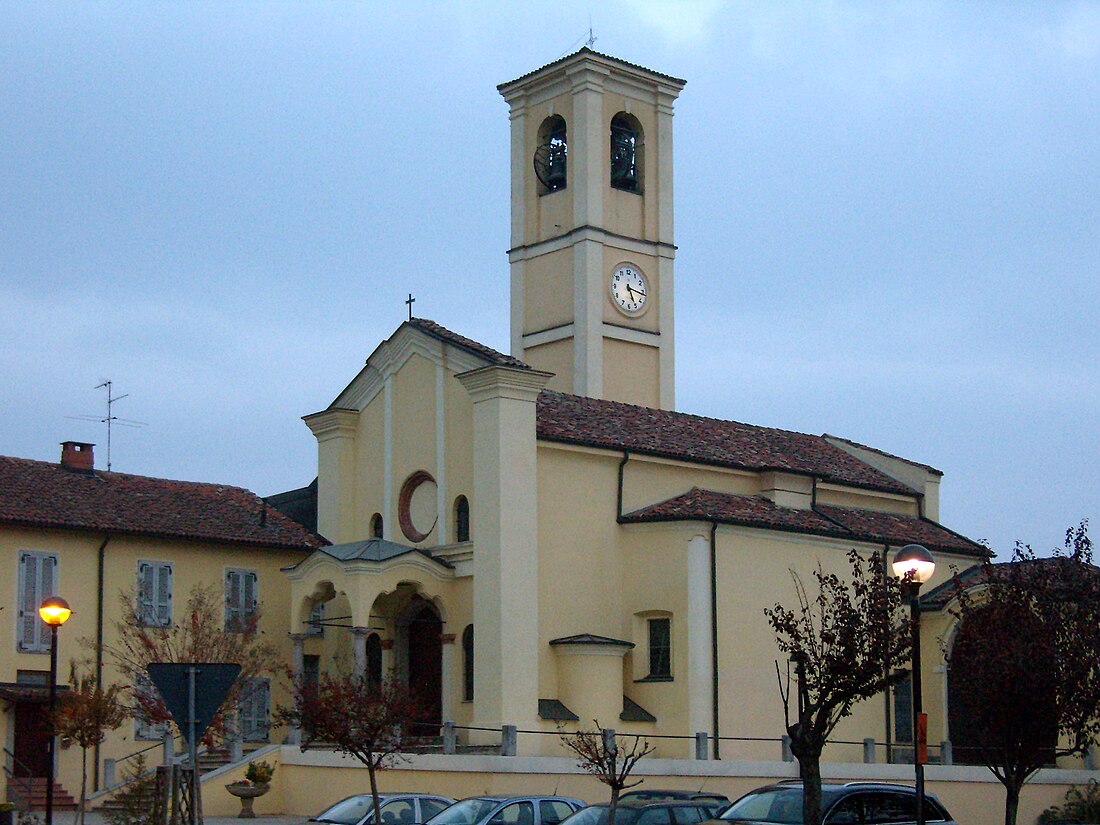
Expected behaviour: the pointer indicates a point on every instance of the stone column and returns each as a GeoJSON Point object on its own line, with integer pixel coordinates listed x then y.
{"type": "Point", "coordinates": [298, 669]}
{"type": "Point", "coordinates": [447, 693]}
{"type": "Point", "coordinates": [359, 644]}
{"type": "Point", "coordinates": [505, 512]}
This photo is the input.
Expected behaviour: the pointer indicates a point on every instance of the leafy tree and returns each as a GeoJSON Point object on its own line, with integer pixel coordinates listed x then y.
{"type": "Point", "coordinates": [198, 635]}
{"type": "Point", "coordinates": [1025, 686]}
{"type": "Point", "coordinates": [601, 754]}
{"type": "Point", "coordinates": [357, 715]}
{"type": "Point", "coordinates": [842, 641]}
{"type": "Point", "coordinates": [85, 713]}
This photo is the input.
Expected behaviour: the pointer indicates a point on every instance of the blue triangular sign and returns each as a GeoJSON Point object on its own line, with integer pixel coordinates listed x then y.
{"type": "Point", "coordinates": [212, 682]}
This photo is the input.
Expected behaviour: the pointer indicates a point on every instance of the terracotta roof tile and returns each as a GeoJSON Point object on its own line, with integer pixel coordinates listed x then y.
{"type": "Point", "coordinates": [40, 494]}
{"type": "Point", "coordinates": [839, 522]}
{"type": "Point", "coordinates": [441, 333]}
{"type": "Point", "coordinates": [613, 425]}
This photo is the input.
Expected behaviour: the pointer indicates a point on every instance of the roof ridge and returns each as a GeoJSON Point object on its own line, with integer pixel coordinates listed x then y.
{"type": "Point", "coordinates": [114, 474]}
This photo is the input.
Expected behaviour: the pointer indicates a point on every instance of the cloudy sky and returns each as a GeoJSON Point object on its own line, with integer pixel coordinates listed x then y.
{"type": "Point", "coordinates": [888, 217]}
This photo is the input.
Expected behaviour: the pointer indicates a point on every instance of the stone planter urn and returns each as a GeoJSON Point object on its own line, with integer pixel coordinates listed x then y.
{"type": "Point", "coordinates": [247, 792]}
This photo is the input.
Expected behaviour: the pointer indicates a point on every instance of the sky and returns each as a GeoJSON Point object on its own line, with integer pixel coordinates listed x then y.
{"type": "Point", "coordinates": [887, 214]}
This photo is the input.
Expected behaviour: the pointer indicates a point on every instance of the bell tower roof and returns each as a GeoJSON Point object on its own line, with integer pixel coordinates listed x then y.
{"type": "Point", "coordinates": [586, 53]}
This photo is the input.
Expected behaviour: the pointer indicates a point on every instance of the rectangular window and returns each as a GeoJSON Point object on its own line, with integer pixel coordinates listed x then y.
{"type": "Point", "coordinates": [144, 727]}
{"type": "Point", "coordinates": [316, 616]}
{"type": "Point", "coordinates": [253, 708]}
{"type": "Point", "coordinates": [660, 648]}
{"type": "Point", "coordinates": [240, 599]}
{"type": "Point", "coordinates": [311, 669]}
{"type": "Point", "coordinates": [903, 710]}
{"type": "Point", "coordinates": [154, 593]}
{"type": "Point", "coordinates": [37, 580]}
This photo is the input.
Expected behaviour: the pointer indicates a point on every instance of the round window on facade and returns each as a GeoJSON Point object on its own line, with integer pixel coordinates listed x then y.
{"type": "Point", "coordinates": [416, 507]}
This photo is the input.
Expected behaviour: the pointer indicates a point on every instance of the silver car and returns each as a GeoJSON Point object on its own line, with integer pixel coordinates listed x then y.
{"type": "Point", "coordinates": [508, 810]}
{"type": "Point", "coordinates": [848, 803]}
{"type": "Point", "coordinates": [397, 809]}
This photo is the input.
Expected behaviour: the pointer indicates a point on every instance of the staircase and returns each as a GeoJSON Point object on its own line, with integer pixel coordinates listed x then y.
{"type": "Point", "coordinates": [29, 793]}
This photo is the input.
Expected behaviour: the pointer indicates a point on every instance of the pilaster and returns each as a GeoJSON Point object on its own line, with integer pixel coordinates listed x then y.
{"type": "Point", "coordinates": [336, 431]}
{"type": "Point", "coordinates": [699, 636]}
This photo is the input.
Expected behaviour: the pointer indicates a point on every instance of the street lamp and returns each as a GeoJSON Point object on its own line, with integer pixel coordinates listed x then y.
{"type": "Point", "coordinates": [55, 611]}
{"type": "Point", "coordinates": [916, 563]}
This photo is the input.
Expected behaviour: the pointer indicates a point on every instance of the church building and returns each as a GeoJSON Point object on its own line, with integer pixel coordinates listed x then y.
{"type": "Point", "coordinates": [540, 538]}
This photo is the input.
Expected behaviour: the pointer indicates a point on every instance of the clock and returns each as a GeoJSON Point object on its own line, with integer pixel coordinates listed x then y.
{"type": "Point", "coordinates": [629, 290]}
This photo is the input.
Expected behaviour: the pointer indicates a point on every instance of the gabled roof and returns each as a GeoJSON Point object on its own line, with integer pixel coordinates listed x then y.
{"type": "Point", "coordinates": [40, 494]}
{"type": "Point", "coordinates": [445, 335]}
{"type": "Point", "coordinates": [695, 438]}
{"type": "Point", "coordinates": [836, 522]}
{"type": "Point", "coordinates": [584, 51]}
{"type": "Point", "coordinates": [374, 549]}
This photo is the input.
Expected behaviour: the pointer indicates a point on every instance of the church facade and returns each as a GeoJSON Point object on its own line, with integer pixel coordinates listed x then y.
{"type": "Point", "coordinates": [539, 539]}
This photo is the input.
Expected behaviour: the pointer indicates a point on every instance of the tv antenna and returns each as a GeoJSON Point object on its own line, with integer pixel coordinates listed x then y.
{"type": "Point", "coordinates": [110, 418]}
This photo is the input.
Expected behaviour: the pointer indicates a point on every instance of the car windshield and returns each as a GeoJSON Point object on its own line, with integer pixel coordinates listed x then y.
{"type": "Point", "coordinates": [347, 811]}
{"type": "Point", "coordinates": [466, 812]}
{"type": "Point", "coordinates": [782, 806]}
{"type": "Point", "coordinates": [597, 815]}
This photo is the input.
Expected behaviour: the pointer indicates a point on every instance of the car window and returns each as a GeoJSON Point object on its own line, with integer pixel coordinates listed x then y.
{"type": "Point", "coordinates": [655, 816]}
{"type": "Point", "coordinates": [398, 812]}
{"type": "Point", "coordinates": [553, 811]}
{"type": "Point", "coordinates": [347, 811]}
{"type": "Point", "coordinates": [466, 812]}
{"type": "Point", "coordinates": [690, 814]}
{"type": "Point", "coordinates": [845, 812]}
{"type": "Point", "coordinates": [429, 807]}
{"type": "Point", "coordinates": [883, 807]}
{"type": "Point", "coordinates": [518, 813]}
{"type": "Point", "coordinates": [779, 805]}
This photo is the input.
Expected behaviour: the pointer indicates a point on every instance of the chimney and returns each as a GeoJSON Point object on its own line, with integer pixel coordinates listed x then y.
{"type": "Point", "coordinates": [78, 456]}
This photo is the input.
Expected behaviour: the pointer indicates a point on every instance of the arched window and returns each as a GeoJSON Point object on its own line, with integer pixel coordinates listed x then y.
{"type": "Point", "coordinates": [374, 659]}
{"type": "Point", "coordinates": [462, 519]}
{"type": "Point", "coordinates": [376, 526]}
{"type": "Point", "coordinates": [550, 155]}
{"type": "Point", "coordinates": [626, 152]}
{"type": "Point", "coordinates": [468, 663]}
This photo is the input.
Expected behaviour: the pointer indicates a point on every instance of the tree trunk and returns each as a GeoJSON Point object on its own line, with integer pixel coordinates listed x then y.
{"type": "Point", "coordinates": [83, 786]}
{"type": "Point", "coordinates": [614, 804]}
{"type": "Point", "coordinates": [809, 768]}
{"type": "Point", "coordinates": [374, 793]}
{"type": "Point", "coordinates": [1012, 803]}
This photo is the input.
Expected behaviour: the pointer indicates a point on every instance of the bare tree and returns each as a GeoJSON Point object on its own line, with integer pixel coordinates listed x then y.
{"type": "Point", "coordinates": [1025, 688]}
{"type": "Point", "coordinates": [600, 753]}
{"type": "Point", "coordinates": [841, 641]}
{"type": "Point", "coordinates": [360, 717]}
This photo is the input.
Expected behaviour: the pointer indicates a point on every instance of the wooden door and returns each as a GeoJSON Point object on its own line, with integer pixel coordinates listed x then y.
{"type": "Point", "coordinates": [31, 740]}
{"type": "Point", "coordinates": [426, 665]}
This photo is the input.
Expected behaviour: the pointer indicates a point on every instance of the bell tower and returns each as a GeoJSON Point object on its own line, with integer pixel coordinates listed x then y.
{"type": "Point", "coordinates": [592, 243]}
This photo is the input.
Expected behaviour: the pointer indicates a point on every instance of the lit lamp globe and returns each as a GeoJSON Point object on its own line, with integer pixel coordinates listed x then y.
{"type": "Point", "coordinates": [916, 559]}
{"type": "Point", "coordinates": [55, 611]}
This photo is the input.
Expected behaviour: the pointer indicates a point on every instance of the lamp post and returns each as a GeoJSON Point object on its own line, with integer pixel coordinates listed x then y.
{"type": "Point", "coordinates": [916, 563]}
{"type": "Point", "coordinates": [55, 612]}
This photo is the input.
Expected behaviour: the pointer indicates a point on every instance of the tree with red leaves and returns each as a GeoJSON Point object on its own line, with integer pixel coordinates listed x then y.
{"type": "Point", "coordinates": [1023, 667]}
{"type": "Point", "coordinates": [85, 713]}
{"type": "Point", "coordinates": [198, 635]}
{"type": "Point", "coordinates": [841, 641]}
{"type": "Point", "coordinates": [358, 716]}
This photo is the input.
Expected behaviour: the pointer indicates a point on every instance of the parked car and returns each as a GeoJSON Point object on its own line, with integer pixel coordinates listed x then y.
{"type": "Point", "coordinates": [849, 803]}
{"type": "Point", "coordinates": [717, 802]}
{"type": "Point", "coordinates": [508, 810]}
{"type": "Point", "coordinates": [397, 809]}
{"type": "Point", "coordinates": [632, 812]}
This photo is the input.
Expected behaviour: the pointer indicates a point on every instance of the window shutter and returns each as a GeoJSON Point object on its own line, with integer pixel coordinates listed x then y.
{"type": "Point", "coordinates": [146, 578]}
{"type": "Point", "coordinates": [28, 610]}
{"type": "Point", "coordinates": [232, 600]}
{"type": "Point", "coordinates": [248, 598]}
{"type": "Point", "coordinates": [163, 595]}
{"type": "Point", "coordinates": [254, 709]}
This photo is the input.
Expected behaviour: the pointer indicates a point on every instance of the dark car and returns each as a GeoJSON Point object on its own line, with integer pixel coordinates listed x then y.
{"type": "Point", "coordinates": [397, 809]}
{"type": "Point", "coordinates": [850, 803]}
{"type": "Point", "coordinates": [716, 801]}
{"type": "Point", "coordinates": [508, 810]}
{"type": "Point", "coordinates": [633, 812]}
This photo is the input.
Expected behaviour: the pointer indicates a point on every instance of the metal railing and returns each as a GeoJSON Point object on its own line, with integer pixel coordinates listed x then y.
{"type": "Point", "coordinates": [25, 791]}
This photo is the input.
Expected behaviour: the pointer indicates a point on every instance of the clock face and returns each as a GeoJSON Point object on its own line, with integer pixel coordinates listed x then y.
{"type": "Point", "coordinates": [629, 290]}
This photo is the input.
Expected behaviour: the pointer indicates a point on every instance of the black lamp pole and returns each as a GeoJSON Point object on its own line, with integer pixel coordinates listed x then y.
{"type": "Point", "coordinates": [918, 709]}
{"type": "Point", "coordinates": [50, 721]}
